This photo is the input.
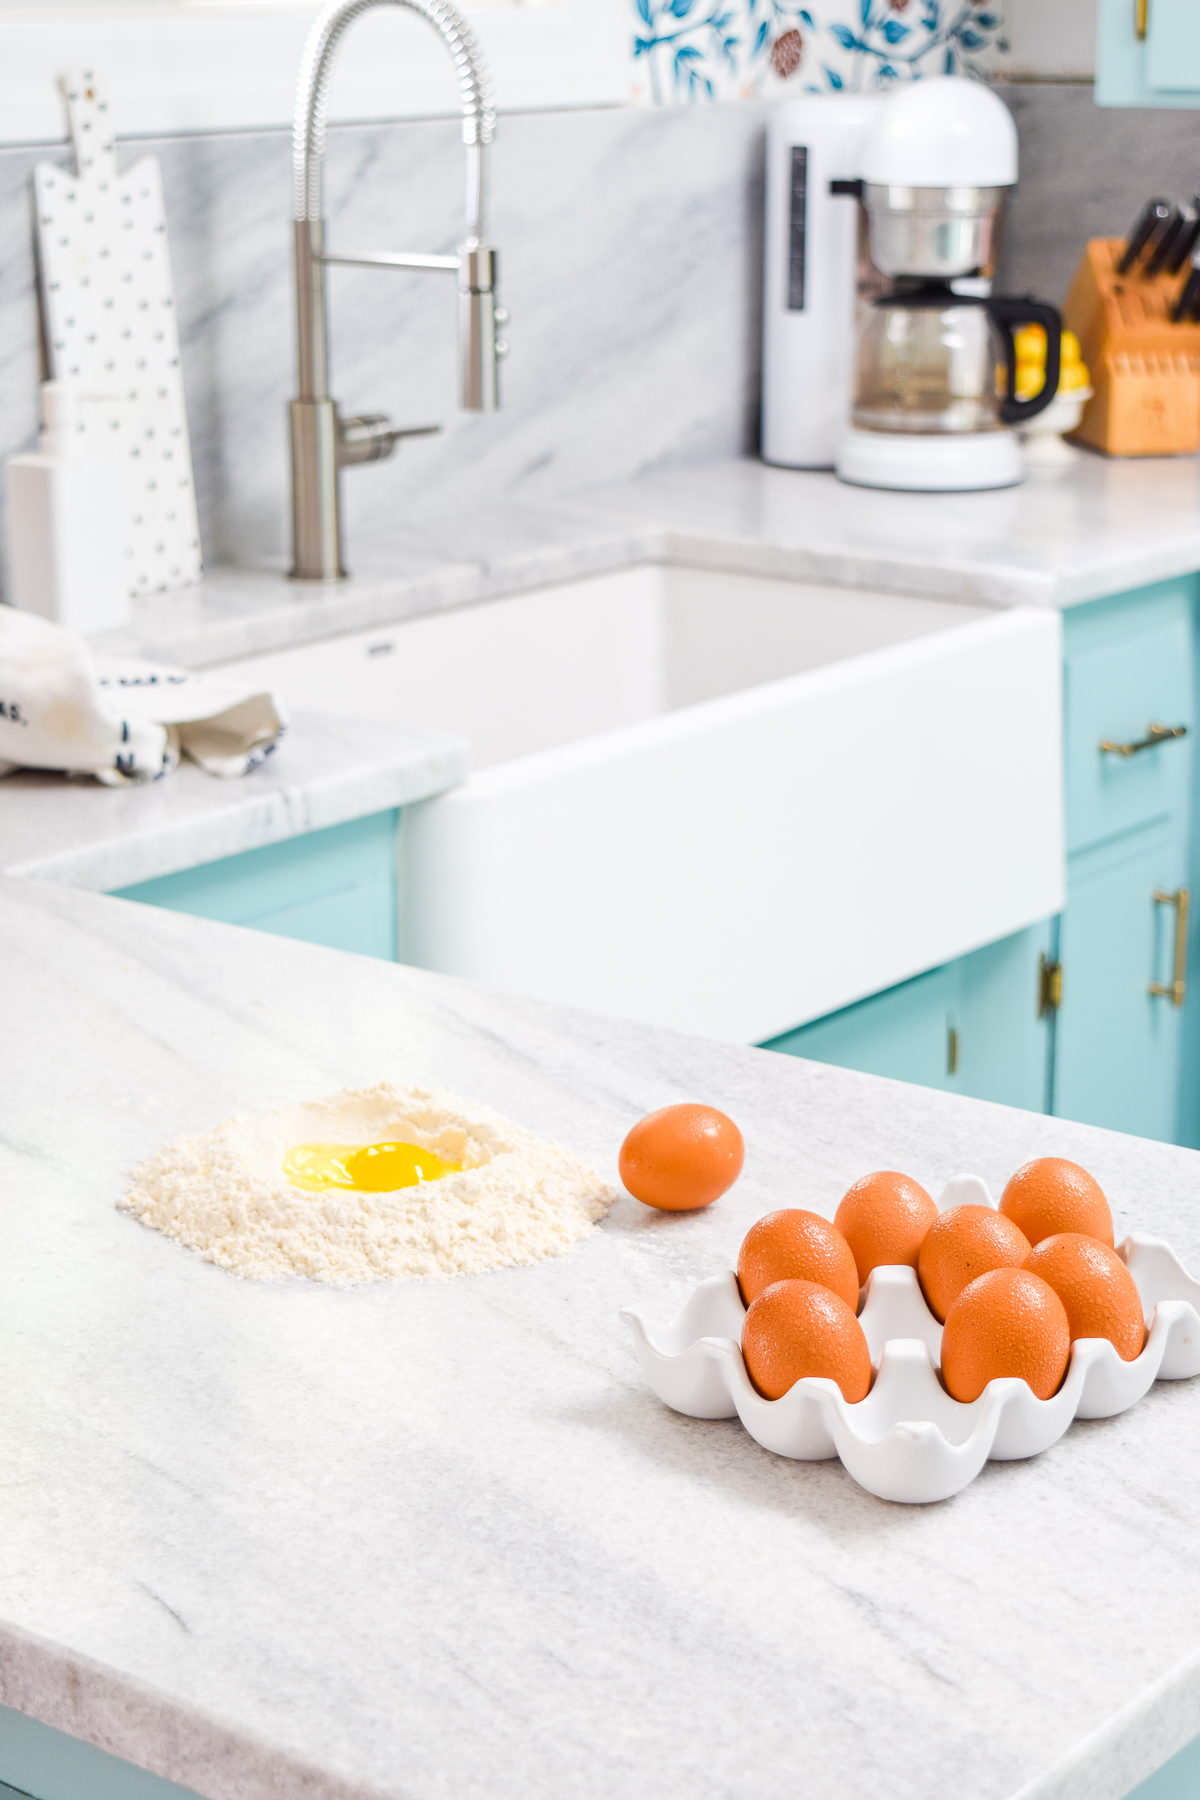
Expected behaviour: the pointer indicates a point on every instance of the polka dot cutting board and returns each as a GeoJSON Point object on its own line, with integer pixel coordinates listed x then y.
{"type": "Point", "coordinates": [108, 315]}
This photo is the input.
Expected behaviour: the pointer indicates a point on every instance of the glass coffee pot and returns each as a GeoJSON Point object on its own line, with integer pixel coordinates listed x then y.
{"type": "Point", "coordinates": [931, 360]}
{"type": "Point", "coordinates": [935, 365]}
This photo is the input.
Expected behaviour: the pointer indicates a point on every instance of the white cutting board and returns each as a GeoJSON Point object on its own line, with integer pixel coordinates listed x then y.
{"type": "Point", "coordinates": [108, 317]}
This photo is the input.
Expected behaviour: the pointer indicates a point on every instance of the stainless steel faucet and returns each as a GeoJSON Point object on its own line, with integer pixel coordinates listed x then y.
{"type": "Point", "coordinates": [323, 443]}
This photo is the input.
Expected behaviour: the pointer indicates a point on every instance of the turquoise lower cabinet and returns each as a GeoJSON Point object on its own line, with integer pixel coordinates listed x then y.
{"type": "Point", "coordinates": [1124, 1056]}
{"type": "Point", "coordinates": [39, 1763]}
{"type": "Point", "coordinates": [971, 1027]}
{"type": "Point", "coordinates": [1177, 1780]}
{"type": "Point", "coordinates": [1111, 1052]}
{"type": "Point", "coordinates": [1117, 1044]}
{"type": "Point", "coordinates": [335, 887]}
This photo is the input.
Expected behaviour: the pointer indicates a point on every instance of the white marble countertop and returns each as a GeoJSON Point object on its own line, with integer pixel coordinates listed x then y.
{"type": "Point", "coordinates": [1100, 527]}
{"type": "Point", "coordinates": [325, 771]}
{"type": "Point", "coordinates": [437, 1541]}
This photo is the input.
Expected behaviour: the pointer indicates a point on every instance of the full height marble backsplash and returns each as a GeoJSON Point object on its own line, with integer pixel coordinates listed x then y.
{"type": "Point", "coordinates": [629, 244]}
{"type": "Point", "coordinates": [630, 255]}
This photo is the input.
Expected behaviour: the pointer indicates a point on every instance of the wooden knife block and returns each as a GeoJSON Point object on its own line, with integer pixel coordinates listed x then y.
{"type": "Point", "coordinates": [1145, 369]}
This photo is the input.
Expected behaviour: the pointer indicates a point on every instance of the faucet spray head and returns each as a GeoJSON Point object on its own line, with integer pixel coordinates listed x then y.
{"type": "Point", "coordinates": [477, 346]}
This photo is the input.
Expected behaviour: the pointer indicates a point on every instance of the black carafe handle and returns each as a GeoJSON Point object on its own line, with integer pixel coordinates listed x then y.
{"type": "Point", "coordinates": [1008, 311]}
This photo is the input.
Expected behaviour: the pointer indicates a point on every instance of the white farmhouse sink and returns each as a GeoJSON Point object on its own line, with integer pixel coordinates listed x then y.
{"type": "Point", "coordinates": [723, 803]}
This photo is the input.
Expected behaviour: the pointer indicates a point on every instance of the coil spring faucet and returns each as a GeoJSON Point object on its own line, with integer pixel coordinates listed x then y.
{"type": "Point", "coordinates": [323, 443]}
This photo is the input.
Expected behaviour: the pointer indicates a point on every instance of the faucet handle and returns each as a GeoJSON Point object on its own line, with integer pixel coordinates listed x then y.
{"type": "Point", "coordinates": [369, 437]}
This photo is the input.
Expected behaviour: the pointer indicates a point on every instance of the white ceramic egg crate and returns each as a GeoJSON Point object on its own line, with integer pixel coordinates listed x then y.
{"type": "Point", "coordinates": [908, 1440]}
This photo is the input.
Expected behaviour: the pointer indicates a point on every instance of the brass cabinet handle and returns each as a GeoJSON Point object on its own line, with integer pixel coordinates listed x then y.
{"type": "Point", "coordinates": [1155, 734]}
{"type": "Point", "coordinates": [1175, 990]}
{"type": "Point", "coordinates": [1140, 9]}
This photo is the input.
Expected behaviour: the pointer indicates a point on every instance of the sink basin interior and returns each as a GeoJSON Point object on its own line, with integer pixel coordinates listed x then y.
{"type": "Point", "coordinates": [545, 668]}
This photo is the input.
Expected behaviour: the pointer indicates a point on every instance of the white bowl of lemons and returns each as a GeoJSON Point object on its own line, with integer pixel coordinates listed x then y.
{"type": "Point", "coordinates": [1041, 439]}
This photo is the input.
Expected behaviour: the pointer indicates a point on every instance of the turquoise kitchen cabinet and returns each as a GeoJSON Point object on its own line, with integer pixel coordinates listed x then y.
{"type": "Point", "coordinates": [39, 1763]}
{"type": "Point", "coordinates": [1062, 1018]}
{"type": "Point", "coordinates": [335, 887]}
{"type": "Point", "coordinates": [1117, 1044]}
{"type": "Point", "coordinates": [1118, 1047]}
{"type": "Point", "coordinates": [1147, 53]}
{"type": "Point", "coordinates": [972, 1027]}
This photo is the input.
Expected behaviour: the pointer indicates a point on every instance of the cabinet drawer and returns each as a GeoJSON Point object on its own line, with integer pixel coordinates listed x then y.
{"type": "Point", "coordinates": [1114, 692]}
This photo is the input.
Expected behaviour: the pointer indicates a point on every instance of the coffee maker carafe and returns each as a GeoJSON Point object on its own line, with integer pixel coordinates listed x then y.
{"type": "Point", "coordinates": [885, 354]}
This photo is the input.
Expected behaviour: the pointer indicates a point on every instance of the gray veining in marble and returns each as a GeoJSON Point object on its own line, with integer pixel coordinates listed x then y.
{"type": "Point", "coordinates": [630, 245]}
{"type": "Point", "coordinates": [326, 770]}
{"type": "Point", "coordinates": [437, 1540]}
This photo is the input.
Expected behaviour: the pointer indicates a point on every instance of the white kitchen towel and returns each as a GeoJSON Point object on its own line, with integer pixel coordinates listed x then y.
{"type": "Point", "coordinates": [117, 718]}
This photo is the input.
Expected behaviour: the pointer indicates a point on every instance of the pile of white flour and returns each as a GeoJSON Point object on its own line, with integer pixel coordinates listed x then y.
{"type": "Point", "coordinates": [518, 1198]}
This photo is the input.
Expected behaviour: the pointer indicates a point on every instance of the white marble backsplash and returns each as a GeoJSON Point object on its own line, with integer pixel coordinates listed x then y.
{"type": "Point", "coordinates": [629, 247]}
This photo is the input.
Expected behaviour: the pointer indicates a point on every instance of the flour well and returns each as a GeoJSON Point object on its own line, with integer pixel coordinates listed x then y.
{"type": "Point", "coordinates": [518, 1198]}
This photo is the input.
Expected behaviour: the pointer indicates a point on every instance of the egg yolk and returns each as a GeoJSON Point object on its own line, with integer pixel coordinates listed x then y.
{"type": "Point", "coordinates": [363, 1168]}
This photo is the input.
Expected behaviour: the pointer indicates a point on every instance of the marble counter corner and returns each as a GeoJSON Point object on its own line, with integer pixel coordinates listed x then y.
{"type": "Point", "coordinates": [325, 771]}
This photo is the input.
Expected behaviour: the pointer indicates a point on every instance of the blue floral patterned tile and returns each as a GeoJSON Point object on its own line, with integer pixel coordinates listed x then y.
{"type": "Point", "coordinates": [714, 49]}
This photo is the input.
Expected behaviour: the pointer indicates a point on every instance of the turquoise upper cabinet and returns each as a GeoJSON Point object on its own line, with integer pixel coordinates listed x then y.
{"type": "Point", "coordinates": [1159, 68]}
{"type": "Point", "coordinates": [1173, 47]}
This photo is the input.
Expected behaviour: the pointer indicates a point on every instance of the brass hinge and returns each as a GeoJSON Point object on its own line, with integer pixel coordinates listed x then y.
{"type": "Point", "coordinates": [951, 1050]}
{"type": "Point", "coordinates": [1140, 20]}
{"type": "Point", "coordinates": [1049, 986]}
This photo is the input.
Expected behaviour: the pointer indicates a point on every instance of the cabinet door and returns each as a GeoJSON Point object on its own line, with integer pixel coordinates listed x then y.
{"type": "Point", "coordinates": [335, 887]}
{"type": "Point", "coordinates": [903, 1032]}
{"type": "Point", "coordinates": [1173, 46]}
{"type": "Point", "coordinates": [1001, 1034]}
{"type": "Point", "coordinates": [970, 1027]}
{"type": "Point", "coordinates": [1117, 1045]}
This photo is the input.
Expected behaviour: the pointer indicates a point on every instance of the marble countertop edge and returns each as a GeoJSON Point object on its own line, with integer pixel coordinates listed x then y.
{"type": "Point", "coordinates": [104, 839]}
{"type": "Point", "coordinates": [337, 609]}
{"type": "Point", "coordinates": [892, 572]}
{"type": "Point", "coordinates": [128, 1718]}
{"type": "Point", "coordinates": [1131, 1746]}
{"type": "Point", "coordinates": [1102, 579]}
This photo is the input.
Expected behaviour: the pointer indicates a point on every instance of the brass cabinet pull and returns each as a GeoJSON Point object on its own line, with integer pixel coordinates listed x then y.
{"type": "Point", "coordinates": [1175, 990]}
{"type": "Point", "coordinates": [1140, 9]}
{"type": "Point", "coordinates": [1050, 985]}
{"type": "Point", "coordinates": [1155, 734]}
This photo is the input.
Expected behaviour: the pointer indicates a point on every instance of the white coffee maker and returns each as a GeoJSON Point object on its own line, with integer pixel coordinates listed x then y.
{"type": "Point", "coordinates": [885, 354]}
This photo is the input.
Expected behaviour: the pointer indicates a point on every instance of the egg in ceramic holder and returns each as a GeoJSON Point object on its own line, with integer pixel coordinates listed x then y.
{"type": "Point", "coordinates": [908, 1440]}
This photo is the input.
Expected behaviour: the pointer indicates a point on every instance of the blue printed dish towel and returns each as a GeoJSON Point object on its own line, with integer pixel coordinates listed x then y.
{"type": "Point", "coordinates": [118, 718]}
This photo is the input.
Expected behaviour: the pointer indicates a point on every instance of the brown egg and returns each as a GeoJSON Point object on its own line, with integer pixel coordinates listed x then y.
{"type": "Point", "coordinates": [798, 1328]}
{"type": "Point", "coordinates": [1007, 1322]}
{"type": "Point", "coordinates": [884, 1218]}
{"type": "Point", "coordinates": [962, 1243]}
{"type": "Point", "coordinates": [681, 1157]}
{"type": "Point", "coordinates": [796, 1246]}
{"type": "Point", "coordinates": [1049, 1195]}
{"type": "Point", "coordinates": [1098, 1292]}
